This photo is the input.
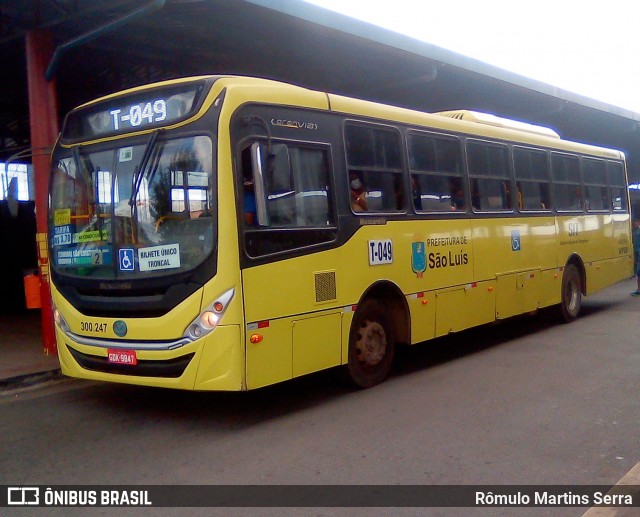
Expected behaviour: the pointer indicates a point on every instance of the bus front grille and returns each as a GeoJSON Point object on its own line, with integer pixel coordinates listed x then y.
{"type": "Point", "coordinates": [171, 368]}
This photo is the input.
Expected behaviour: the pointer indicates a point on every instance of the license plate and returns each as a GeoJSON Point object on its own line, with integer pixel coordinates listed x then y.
{"type": "Point", "coordinates": [117, 356]}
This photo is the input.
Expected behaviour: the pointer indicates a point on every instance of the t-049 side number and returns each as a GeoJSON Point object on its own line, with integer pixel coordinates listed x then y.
{"type": "Point", "coordinates": [380, 252]}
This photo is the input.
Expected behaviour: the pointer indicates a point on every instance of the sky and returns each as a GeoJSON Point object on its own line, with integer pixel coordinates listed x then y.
{"type": "Point", "coordinates": [589, 48]}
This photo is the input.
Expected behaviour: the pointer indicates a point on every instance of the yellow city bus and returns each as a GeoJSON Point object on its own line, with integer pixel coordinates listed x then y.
{"type": "Point", "coordinates": [229, 233]}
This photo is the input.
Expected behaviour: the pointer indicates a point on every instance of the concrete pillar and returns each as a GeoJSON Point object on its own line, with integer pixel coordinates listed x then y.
{"type": "Point", "coordinates": [43, 119]}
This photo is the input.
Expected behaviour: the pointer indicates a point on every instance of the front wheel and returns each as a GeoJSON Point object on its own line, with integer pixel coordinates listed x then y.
{"type": "Point", "coordinates": [571, 296]}
{"type": "Point", "coordinates": [371, 345]}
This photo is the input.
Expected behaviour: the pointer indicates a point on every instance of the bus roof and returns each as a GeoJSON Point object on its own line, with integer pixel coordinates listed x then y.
{"type": "Point", "coordinates": [464, 121]}
{"type": "Point", "coordinates": [468, 122]}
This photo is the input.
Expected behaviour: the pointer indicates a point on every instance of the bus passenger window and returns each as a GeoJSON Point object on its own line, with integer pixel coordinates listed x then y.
{"type": "Point", "coordinates": [617, 186]}
{"type": "Point", "coordinates": [374, 158]}
{"type": "Point", "coordinates": [436, 174]}
{"type": "Point", "coordinates": [565, 170]}
{"type": "Point", "coordinates": [532, 179]}
{"type": "Point", "coordinates": [596, 191]}
{"type": "Point", "coordinates": [489, 175]}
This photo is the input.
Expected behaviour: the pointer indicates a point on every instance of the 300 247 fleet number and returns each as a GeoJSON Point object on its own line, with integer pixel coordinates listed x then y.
{"type": "Point", "coordinates": [91, 326]}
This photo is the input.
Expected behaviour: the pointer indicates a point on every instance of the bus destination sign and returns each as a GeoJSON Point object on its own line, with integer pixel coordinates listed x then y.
{"type": "Point", "coordinates": [139, 114]}
{"type": "Point", "coordinates": [133, 112]}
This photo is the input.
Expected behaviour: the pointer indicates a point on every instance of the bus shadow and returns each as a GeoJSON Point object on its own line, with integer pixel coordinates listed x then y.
{"type": "Point", "coordinates": [435, 352]}
{"type": "Point", "coordinates": [224, 412]}
{"type": "Point", "coordinates": [441, 350]}
{"type": "Point", "coordinates": [220, 411]}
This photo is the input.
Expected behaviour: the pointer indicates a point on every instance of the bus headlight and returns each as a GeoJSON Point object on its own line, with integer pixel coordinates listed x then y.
{"type": "Point", "coordinates": [209, 320]}
{"type": "Point", "coordinates": [60, 321]}
{"type": "Point", "coordinates": [209, 317]}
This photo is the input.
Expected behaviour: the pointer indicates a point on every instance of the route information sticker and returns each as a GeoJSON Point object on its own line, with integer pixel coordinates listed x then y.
{"type": "Point", "coordinates": [159, 257]}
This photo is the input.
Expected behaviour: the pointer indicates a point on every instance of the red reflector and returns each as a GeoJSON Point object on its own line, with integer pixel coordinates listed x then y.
{"type": "Point", "coordinates": [118, 356]}
{"type": "Point", "coordinates": [420, 295]}
{"type": "Point", "coordinates": [263, 324]}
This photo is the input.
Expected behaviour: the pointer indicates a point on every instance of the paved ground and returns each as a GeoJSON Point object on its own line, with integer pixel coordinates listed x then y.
{"type": "Point", "coordinates": [21, 349]}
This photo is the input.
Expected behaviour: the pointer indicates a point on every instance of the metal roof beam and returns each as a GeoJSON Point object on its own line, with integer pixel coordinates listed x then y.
{"type": "Point", "coordinates": [80, 40]}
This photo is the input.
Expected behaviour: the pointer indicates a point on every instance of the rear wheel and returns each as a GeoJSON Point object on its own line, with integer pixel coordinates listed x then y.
{"type": "Point", "coordinates": [571, 296]}
{"type": "Point", "coordinates": [371, 345]}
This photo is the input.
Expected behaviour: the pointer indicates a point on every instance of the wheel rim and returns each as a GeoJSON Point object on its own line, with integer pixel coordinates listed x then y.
{"type": "Point", "coordinates": [371, 343]}
{"type": "Point", "coordinates": [571, 295]}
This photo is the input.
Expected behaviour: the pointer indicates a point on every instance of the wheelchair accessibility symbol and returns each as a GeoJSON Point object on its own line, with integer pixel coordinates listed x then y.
{"type": "Point", "coordinates": [515, 240]}
{"type": "Point", "coordinates": [125, 258]}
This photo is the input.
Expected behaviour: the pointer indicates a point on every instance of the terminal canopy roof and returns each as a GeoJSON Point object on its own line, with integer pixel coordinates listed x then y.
{"type": "Point", "coordinates": [108, 45]}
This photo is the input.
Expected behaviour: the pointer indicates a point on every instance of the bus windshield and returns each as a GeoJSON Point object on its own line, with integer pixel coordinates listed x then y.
{"type": "Point", "coordinates": [133, 210]}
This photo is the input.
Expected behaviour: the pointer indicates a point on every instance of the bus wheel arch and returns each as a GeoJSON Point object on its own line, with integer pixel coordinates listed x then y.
{"type": "Point", "coordinates": [380, 322]}
{"type": "Point", "coordinates": [573, 288]}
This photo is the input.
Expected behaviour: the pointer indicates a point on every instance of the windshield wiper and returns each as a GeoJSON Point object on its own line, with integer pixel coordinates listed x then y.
{"type": "Point", "coordinates": [139, 170]}
{"type": "Point", "coordinates": [136, 182]}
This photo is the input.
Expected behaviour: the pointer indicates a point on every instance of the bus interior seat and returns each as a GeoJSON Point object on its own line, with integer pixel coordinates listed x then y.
{"type": "Point", "coordinates": [374, 201]}
{"type": "Point", "coordinates": [434, 203]}
{"type": "Point", "coordinates": [492, 196]}
{"type": "Point", "coordinates": [312, 208]}
{"type": "Point", "coordinates": [282, 208]}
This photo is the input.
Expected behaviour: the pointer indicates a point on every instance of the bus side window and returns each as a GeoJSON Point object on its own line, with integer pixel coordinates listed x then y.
{"type": "Point", "coordinates": [596, 191]}
{"type": "Point", "coordinates": [490, 176]}
{"type": "Point", "coordinates": [436, 173]}
{"type": "Point", "coordinates": [617, 186]}
{"type": "Point", "coordinates": [565, 170]}
{"type": "Point", "coordinates": [292, 190]}
{"type": "Point", "coordinates": [286, 187]}
{"type": "Point", "coordinates": [532, 178]}
{"type": "Point", "coordinates": [374, 159]}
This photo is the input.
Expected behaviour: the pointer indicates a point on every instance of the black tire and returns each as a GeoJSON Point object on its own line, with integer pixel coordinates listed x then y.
{"type": "Point", "coordinates": [571, 294]}
{"type": "Point", "coordinates": [371, 345]}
